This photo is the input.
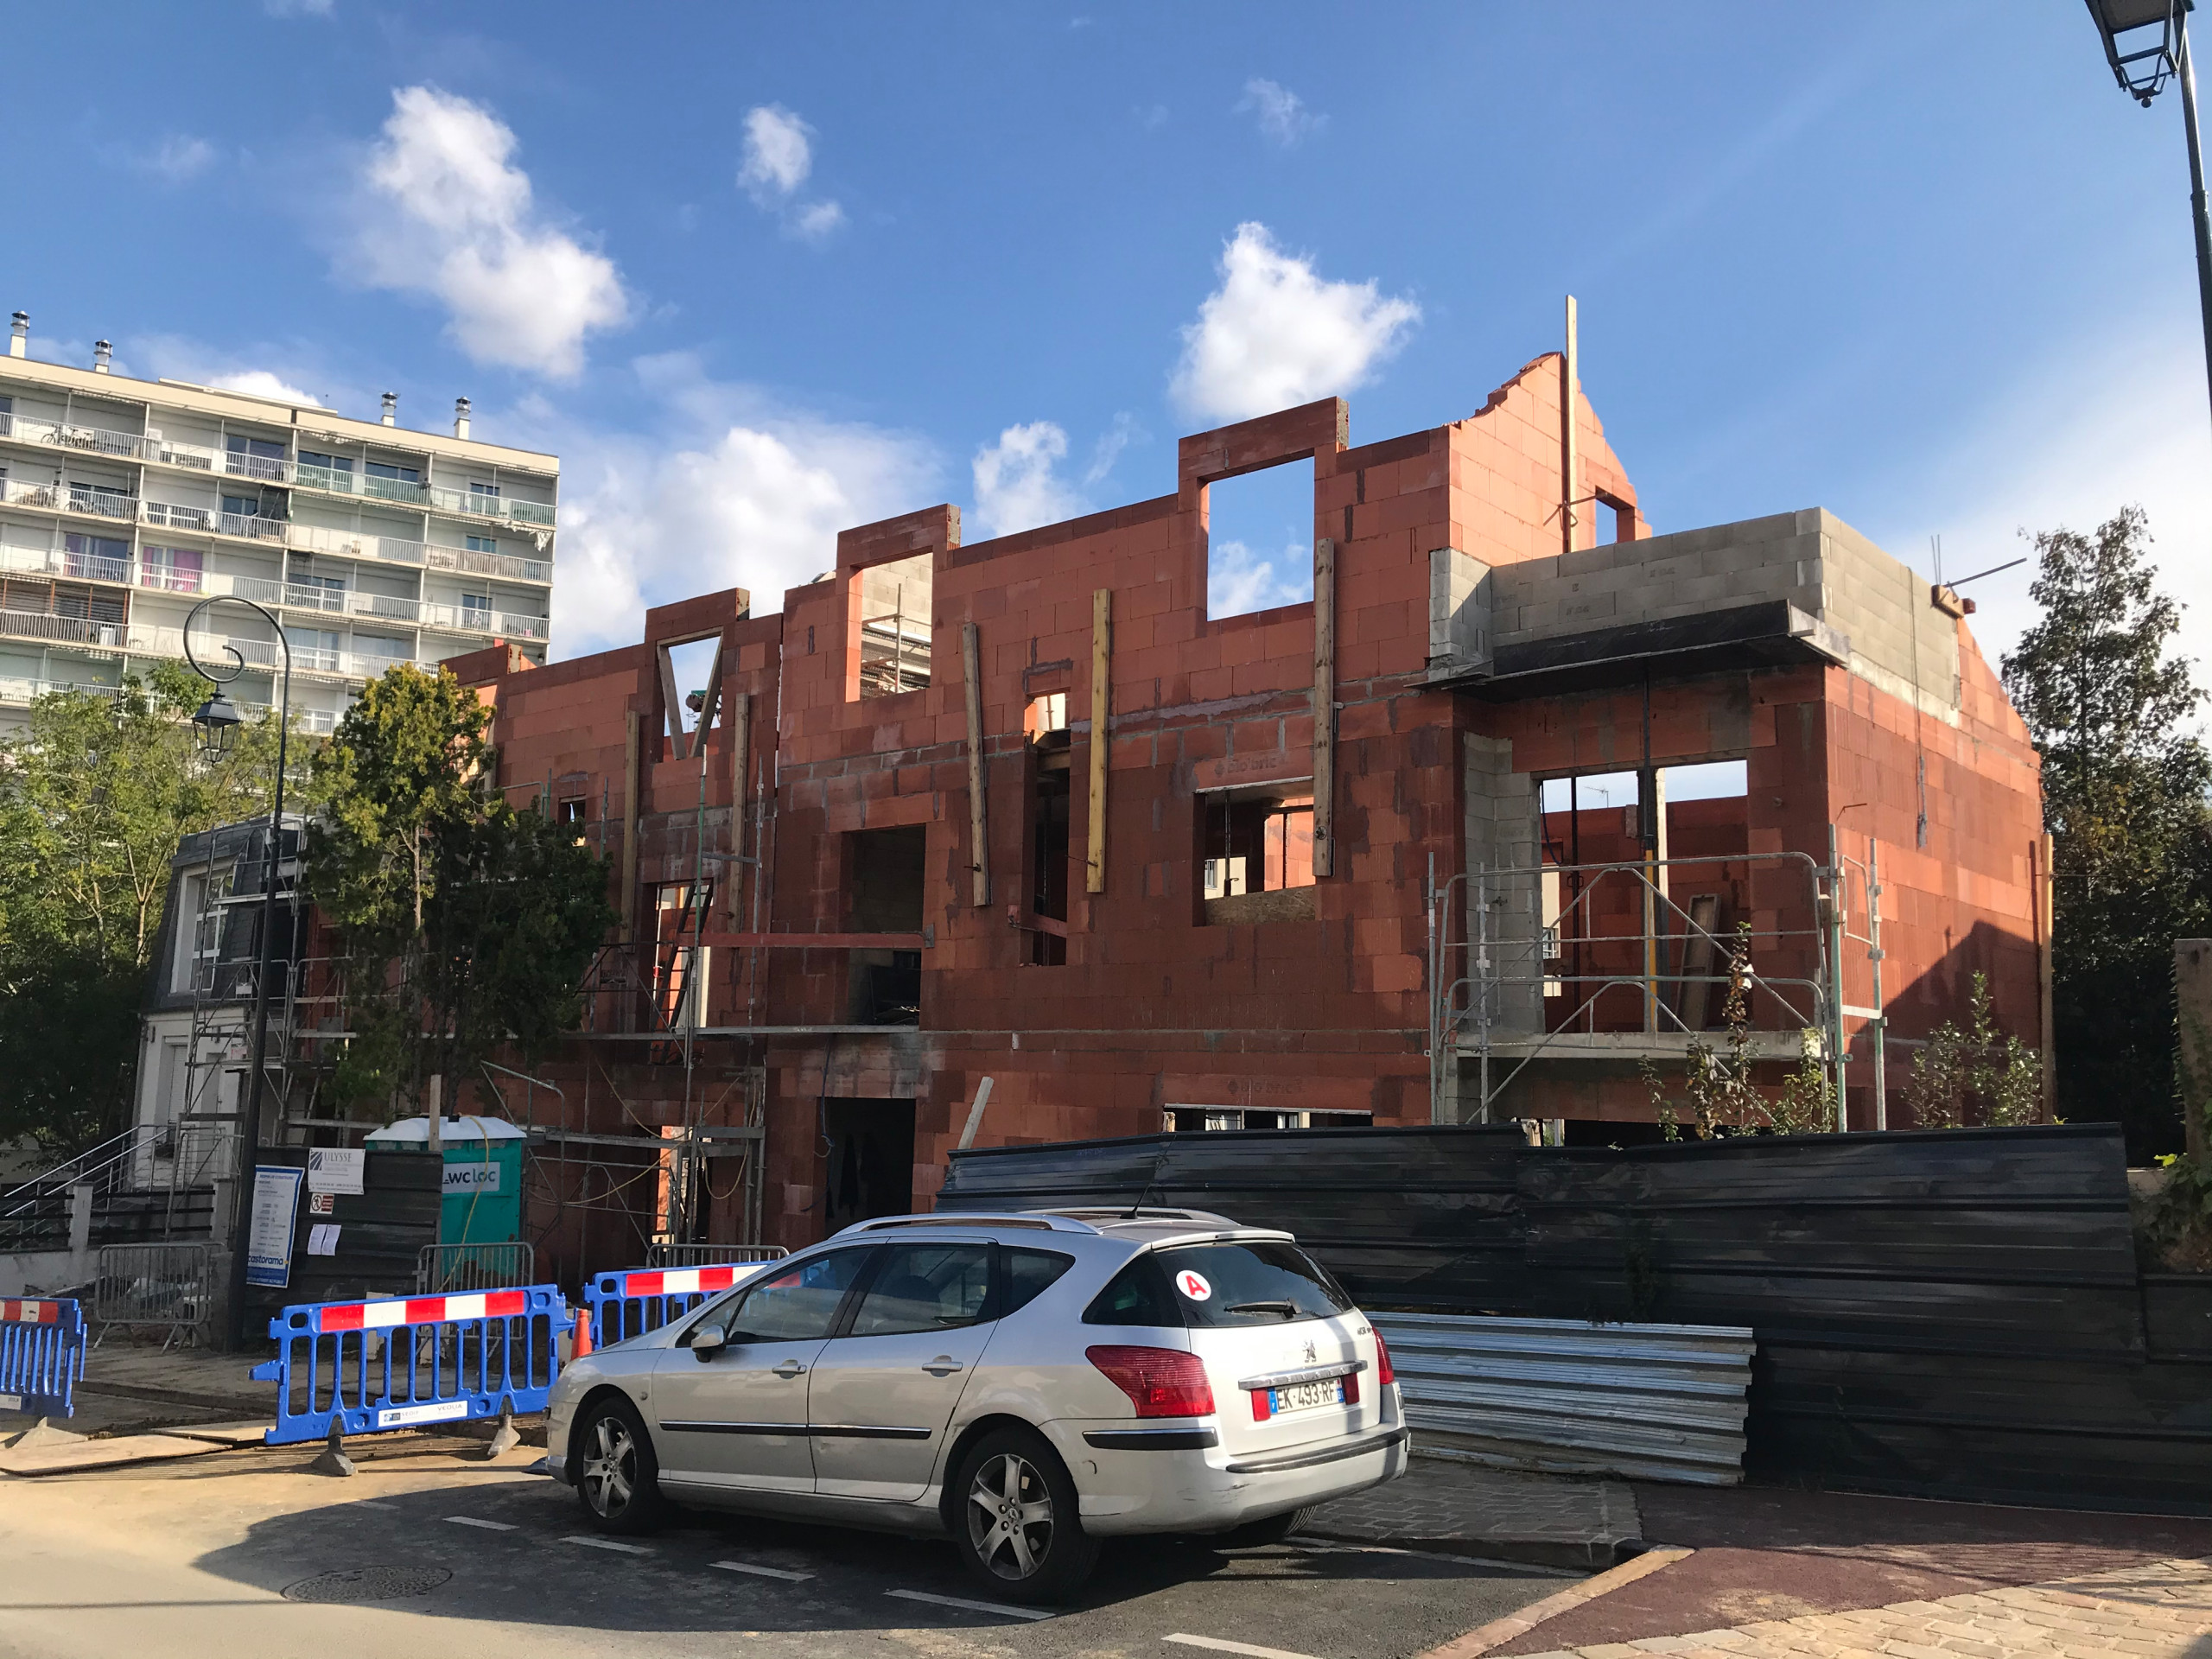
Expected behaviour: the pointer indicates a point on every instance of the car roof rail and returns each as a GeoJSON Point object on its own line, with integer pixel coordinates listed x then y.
{"type": "Point", "coordinates": [1040, 1220]}
{"type": "Point", "coordinates": [1114, 1216]}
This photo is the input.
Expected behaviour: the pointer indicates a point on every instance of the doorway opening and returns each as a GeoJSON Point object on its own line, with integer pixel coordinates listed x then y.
{"type": "Point", "coordinates": [868, 1168]}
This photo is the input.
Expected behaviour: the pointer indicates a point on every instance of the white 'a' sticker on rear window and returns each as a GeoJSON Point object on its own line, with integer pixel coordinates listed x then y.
{"type": "Point", "coordinates": [1194, 1285]}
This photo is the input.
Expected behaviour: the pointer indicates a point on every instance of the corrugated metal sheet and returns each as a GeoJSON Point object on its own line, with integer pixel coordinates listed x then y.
{"type": "Point", "coordinates": [1647, 1402]}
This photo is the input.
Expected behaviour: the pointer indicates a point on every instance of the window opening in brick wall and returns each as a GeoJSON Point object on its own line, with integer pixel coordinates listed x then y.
{"type": "Point", "coordinates": [681, 963]}
{"type": "Point", "coordinates": [1256, 854]}
{"type": "Point", "coordinates": [894, 601]}
{"type": "Point", "coordinates": [1187, 1120]}
{"type": "Point", "coordinates": [1259, 540]}
{"type": "Point", "coordinates": [1051, 804]}
{"type": "Point", "coordinates": [690, 665]}
{"type": "Point", "coordinates": [884, 874]}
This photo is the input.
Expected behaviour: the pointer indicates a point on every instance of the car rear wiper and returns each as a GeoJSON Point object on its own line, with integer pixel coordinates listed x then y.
{"type": "Point", "coordinates": [1288, 1310]}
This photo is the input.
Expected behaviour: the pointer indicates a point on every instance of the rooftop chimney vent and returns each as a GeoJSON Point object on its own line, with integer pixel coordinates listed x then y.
{"type": "Point", "coordinates": [103, 355]}
{"type": "Point", "coordinates": [391, 416]}
{"type": "Point", "coordinates": [461, 417]}
{"type": "Point", "coordinates": [19, 340]}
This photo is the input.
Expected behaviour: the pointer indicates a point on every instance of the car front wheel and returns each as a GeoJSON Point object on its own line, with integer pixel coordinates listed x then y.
{"type": "Point", "coordinates": [618, 1478]}
{"type": "Point", "coordinates": [1019, 1529]}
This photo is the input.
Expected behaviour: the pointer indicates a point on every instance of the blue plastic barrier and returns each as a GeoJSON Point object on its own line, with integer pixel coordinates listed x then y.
{"type": "Point", "coordinates": [631, 1302]}
{"type": "Point", "coordinates": [441, 1359]}
{"type": "Point", "coordinates": [41, 1355]}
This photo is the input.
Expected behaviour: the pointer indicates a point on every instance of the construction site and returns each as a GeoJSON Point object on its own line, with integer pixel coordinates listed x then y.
{"type": "Point", "coordinates": [1013, 841]}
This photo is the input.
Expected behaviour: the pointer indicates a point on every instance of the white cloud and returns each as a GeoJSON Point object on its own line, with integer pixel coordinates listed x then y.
{"type": "Point", "coordinates": [451, 217]}
{"type": "Point", "coordinates": [262, 384]}
{"type": "Point", "coordinates": [817, 220]}
{"type": "Point", "coordinates": [779, 156]}
{"type": "Point", "coordinates": [1240, 580]}
{"type": "Point", "coordinates": [1017, 486]}
{"type": "Point", "coordinates": [179, 157]}
{"type": "Point", "coordinates": [1119, 436]}
{"type": "Point", "coordinates": [1282, 115]}
{"type": "Point", "coordinates": [737, 492]}
{"type": "Point", "coordinates": [1275, 334]}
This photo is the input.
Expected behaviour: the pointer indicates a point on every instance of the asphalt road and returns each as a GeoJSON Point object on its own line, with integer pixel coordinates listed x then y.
{"type": "Point", "coordinates": [197, 1558]}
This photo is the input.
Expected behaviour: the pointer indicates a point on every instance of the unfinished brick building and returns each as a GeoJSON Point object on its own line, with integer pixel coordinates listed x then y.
{"type": "Point", "coordinates": [1023, 811]}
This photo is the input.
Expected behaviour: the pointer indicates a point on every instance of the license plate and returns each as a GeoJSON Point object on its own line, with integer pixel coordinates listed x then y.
{"type": "Point", "coordinates": [1304, 1396]}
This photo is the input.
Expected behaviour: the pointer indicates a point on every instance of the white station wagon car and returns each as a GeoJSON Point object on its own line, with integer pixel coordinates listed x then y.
{"type": "Point", "coordinates": [1028, 1384]}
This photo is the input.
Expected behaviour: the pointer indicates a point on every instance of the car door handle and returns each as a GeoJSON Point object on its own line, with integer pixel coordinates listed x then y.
{"type": "Point", "coordinates": [789, 1367]}
{"type": "Point", "coordinates": [943, 1365]}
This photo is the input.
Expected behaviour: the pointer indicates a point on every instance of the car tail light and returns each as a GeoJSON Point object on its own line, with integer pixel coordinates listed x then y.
{"type": "Point", "coordinates": [1352, 1388]}
{"type": "Point", "coordinates": [1384, 1377]}
{"type": "Point", "coordinates": [1160, 1381]}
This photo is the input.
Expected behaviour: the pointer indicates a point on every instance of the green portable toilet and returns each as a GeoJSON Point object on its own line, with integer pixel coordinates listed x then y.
{"type": "Point", "coordinates": [483, 1174]}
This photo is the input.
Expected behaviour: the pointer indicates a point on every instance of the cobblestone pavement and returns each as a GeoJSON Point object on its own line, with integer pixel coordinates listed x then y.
{"type": "Point", "coordinates": [2160, 1610]}
{"type": "Point", "coordinates": [1466, 1507]}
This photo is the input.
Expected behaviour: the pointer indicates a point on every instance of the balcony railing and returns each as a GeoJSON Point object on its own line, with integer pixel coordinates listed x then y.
{"type": "Point", "coordinates": [63, 630]}
{"type": "Point", "coordinates": [469, 619]}
{"type": "Point", "coordinates": [273, 469]}
{"type": "Point", "coordinates": [18, 692]}
{"type": "Point", "coordinates": [469, 560]}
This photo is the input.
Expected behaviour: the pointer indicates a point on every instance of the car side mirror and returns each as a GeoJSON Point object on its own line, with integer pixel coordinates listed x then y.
{"type": "Point", "coordinates": [708, 1341]}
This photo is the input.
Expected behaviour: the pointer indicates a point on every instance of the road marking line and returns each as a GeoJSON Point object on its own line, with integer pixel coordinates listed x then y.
{"type": "Point", "coordinates": [589, 1542]}
{"type": "Point", "coordinates": [375, 1503]}
{"type": "Point", "coordinates": [972, 1606]}
{"type": "Point", "coordinates": [488, 1526]}
{"type": "Point", "coordinates": [1220, 1646]}
{"type": "Point", "coordinates": [765, 1572]}
{"type": "Point", "coordinates": [1499, 1631]}
{"type": "Point", "coordinates": [1332, 1547]}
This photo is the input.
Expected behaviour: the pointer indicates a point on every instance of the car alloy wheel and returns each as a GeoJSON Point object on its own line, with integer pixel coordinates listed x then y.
{"type": "Point", "coordinates": [1010, 1517]}
{"type": "Point", "coordinates": [610, 1471]}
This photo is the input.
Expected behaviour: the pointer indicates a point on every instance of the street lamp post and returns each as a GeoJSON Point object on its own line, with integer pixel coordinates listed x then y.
{"type": "Point", "coordinates": [217, 721]}
{"type": "Point", "coordinates": [2146, 43]}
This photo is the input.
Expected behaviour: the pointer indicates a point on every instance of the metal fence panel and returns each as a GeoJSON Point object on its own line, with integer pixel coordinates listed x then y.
{"type": "Point", "coordinates": [703, 1255]}
{"type": "Point", "coordinates": [445, 1267]}
{"type": "Point", "coordinates": [622, 1304]}
{"type": "Point", "coordinates": [161, 1287]}
{"type": "Point", "coordinates": [41, 1355]}
{"type": "Point", "coordinates": [1647, 1402]}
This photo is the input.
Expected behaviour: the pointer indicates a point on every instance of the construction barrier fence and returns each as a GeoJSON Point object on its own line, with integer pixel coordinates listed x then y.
{"type": "Point", "coordinates": [41, 1356]}
{"type": "Point", "coordinates": [359, 1368]}
{"type": "Point", "coordinates": [160, 1287]}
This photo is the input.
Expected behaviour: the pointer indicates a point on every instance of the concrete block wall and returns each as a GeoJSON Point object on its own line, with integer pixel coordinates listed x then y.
{"type": "Point", "coordinates": [1502, 905]}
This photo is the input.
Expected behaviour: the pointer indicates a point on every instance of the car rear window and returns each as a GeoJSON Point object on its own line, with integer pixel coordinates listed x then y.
{"type": "Point", "coordinates": [1261, 1282]}
{"type": "Point", "coordinates": [1029, 1273]}
{"type": "Point", "coordinates": [1138, 1294]}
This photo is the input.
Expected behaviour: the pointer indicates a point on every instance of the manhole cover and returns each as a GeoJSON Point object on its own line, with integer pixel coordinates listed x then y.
{"type": "Point", "coordinates": [368, 1584]}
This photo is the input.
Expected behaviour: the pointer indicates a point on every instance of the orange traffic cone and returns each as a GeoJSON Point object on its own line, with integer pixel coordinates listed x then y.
{"type": "Point", "coordinates": [580, 1344]}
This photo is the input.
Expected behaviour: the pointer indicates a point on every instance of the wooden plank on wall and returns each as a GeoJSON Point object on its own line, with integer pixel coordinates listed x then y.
{"type": "Point", "coordinates": [1324, 707]}
{"type": "Point", "coordinates": [675, 709]}
{"type": "Point", "coordinates": [739, 721]}
{"type": "Point", "coordinates": [1102, 660]}
{"type": "Point", "coordinates": [633, 747]}
{"type": "Point", "coordinates": [979, 846]}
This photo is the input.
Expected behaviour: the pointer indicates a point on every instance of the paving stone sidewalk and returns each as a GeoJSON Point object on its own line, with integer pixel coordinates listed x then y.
{"type": "Point", "coordinates": [1466, 1508]}
{"type": "Point", "coordinates": [2159, 1610]}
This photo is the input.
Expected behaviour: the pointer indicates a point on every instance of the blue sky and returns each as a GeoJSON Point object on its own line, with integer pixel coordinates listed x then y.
{"type": "Point", "coordinates": [757, 272]}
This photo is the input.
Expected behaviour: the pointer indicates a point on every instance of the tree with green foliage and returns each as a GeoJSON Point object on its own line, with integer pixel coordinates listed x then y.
{"type": "Point", "coordinates": [96, 792]}
{"type": "Point", "coordinates": [2125, 785]}
{"type": "Point", "coordinates": [467, 925]}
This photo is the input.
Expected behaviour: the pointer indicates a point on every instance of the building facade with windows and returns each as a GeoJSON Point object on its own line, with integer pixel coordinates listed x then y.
{"type": "Point", "coordinates": [1525, 800]}
{"type": "Point", "coordinates": [125, 503]}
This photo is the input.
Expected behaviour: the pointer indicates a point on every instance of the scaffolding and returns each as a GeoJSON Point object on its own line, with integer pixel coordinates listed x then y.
{"type": "Point", "coordinates": [200, 1145]}
{"type": "Point", "coordinates": [1631, 962]}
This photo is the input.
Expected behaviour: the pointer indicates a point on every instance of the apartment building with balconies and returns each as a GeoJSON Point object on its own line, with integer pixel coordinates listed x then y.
{"type": "Point", "coordinates": [125, 503]}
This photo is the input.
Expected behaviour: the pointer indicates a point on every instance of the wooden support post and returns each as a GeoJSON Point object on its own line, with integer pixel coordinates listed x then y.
{"type": "Point", "coordinates": [711, 701]}
{"type": "Point", "coordinates": [632, 758]}
{"type": "Point", "coordinates": [1569, 471]}
{"type": "Point", "coordinates": [739, 721]}
{"type": "Point", "coordinates": [1324, 707]}
{"type": "Point", "coordinates": [1101, 742]}
{"type": "Point", "coordinates": [675, 709]}
{"type": "Point", "coordinates": [979, 846]}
